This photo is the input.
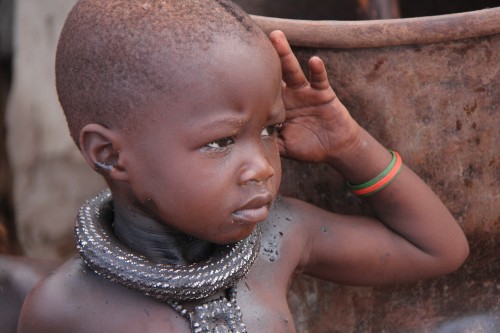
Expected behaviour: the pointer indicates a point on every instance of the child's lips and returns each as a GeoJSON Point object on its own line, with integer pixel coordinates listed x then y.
{"type": "Point", "coordinates": [252, 215]}
{"type": "Point", "coordinates": [255, 211]}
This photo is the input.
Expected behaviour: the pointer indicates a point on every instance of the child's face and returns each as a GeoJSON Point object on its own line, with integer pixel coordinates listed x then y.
{"type": "Point", "coordinates": [208, 164]}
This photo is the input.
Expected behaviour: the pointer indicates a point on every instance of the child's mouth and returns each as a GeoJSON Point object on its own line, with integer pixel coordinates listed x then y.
{"type": "Point", "coordinates": [255, 211]}
{"type": "Point", "coordinates": [251, 215]}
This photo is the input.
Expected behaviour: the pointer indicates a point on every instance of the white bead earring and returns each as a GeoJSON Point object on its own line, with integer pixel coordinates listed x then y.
{"type": "Point", "coordinates": [103, 166]}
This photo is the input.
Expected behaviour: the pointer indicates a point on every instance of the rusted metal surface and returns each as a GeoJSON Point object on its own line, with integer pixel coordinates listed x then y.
{"type": "Point", "coordinates": [381, 33]}
{"type": "Point", "coordinates": [429, 88]}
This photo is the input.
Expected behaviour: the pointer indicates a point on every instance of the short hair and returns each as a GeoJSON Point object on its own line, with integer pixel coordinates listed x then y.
{"type": "Point", "coordinates": [109, 53]}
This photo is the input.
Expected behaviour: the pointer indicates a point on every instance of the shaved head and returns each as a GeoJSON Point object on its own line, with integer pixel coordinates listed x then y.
{"type": "Point", "coordinates": [115, 56]}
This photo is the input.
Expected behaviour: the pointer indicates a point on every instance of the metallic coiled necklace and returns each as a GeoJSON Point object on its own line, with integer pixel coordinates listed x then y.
{"type": "Point", "coordinates": [172, 284]}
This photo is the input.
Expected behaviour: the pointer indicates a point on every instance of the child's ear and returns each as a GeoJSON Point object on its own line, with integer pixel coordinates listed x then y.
{"type": "Point", "coordinates": [100, 147]}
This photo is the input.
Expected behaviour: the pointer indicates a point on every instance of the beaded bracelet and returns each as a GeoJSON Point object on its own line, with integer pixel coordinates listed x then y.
{"type": "Point", "coordinates": [381, 180]}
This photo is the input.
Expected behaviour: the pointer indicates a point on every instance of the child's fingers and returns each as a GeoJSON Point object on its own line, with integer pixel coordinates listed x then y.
{"type": "Point", "coordinates": [319, 77]}
{"type": "Point", "coordinates": [292, 73]}
{"type": "Point", "coordinates": [281, 147]}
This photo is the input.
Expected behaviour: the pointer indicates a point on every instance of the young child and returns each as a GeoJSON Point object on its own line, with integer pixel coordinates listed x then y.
{"type": "Point", "coordinates": [185, 107]}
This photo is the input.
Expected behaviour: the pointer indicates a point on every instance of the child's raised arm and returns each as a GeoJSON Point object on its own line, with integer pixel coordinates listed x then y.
{"type": "Point", "coordinates": [413, 236]}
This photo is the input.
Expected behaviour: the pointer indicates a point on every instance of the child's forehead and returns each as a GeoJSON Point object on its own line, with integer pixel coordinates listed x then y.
{"type": "Point", "coordinates": [223, 87]}
{"type": "Point", "coordinates": [228, 59]}
{"type": "Point", "coordinates": [189, 63]}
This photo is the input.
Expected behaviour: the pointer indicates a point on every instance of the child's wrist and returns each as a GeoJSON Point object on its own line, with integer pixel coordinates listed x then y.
{"type": "Point", "coordinates": [381, 181]}
{"type": "Point", "coordinates": [362, 160]}
{"type": "Point", "coordinates": [352, 143]}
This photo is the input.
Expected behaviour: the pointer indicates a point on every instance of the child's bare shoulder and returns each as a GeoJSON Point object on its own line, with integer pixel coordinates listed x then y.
{"type": "Point", "coordinates": [296, 217]}
{"type": "Point", "coordinates": [75, 299]}
{"type": "Point", "coordinates": [305, 231]}
{"type": "Point", "coordinates": [288, 230]}
{"type": "Point", "coordinates": [17, 276]}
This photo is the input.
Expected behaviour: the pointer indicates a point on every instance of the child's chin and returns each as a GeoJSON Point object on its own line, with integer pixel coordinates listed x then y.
{"type": "Point", "coordinates": [241, 234]}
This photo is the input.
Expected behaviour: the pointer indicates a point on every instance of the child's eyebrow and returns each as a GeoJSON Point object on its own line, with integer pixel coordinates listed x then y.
{"type": "Point", "coordinates": [224, 122]}
{"type": "Point", "coordinates": [277, 114]}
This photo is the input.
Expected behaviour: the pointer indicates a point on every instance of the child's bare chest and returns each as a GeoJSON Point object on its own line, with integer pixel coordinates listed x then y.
{"type": "Point", "coordinates": [261, 311]}
{"type": "Point", "coordinates": [264, 307]}
{"type": "Point", "coordinates": [261, 296]}
{"type": "Point", "coordinates": [261, 301]}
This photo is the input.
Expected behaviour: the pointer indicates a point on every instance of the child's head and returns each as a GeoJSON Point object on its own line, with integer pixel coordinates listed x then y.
{"type": "Point", "coordinates": [115, 55]}
{"type": "Point", "coordinates": [181, 99]}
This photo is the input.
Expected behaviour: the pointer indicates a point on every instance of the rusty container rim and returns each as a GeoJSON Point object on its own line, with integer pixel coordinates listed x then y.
{"type": "Point", "coordinates": [383, 33]}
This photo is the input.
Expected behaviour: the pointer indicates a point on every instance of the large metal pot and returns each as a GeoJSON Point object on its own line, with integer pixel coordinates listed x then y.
{"type": "Point", "coordinates": [428, 87]}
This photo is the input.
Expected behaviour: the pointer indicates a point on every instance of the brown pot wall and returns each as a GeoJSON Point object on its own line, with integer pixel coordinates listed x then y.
{"type": "Point", "coordinates": [429, 88]}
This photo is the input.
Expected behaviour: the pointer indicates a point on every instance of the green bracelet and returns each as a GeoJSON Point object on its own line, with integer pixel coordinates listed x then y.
{"type": "Point", "coordinates": [381, 180]}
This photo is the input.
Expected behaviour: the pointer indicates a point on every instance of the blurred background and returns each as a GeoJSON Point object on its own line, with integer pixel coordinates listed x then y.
{"type": "Point", "coordinates": [44, 180]}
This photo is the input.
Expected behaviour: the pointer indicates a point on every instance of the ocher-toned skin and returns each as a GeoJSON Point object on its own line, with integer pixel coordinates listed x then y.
{"type": "Point", "coordinates": [194, 173]}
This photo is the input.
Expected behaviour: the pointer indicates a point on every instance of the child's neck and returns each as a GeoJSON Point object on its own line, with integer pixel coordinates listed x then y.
{"type": "Point", "coordinates": [157, 241]}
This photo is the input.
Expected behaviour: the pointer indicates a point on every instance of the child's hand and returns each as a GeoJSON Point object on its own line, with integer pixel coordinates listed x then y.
{"type": "Point", "coordinates": [317, 127]}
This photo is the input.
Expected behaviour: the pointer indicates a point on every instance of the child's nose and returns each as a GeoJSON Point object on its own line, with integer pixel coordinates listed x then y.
{"type": "Point", "coordinates": [256, 167]}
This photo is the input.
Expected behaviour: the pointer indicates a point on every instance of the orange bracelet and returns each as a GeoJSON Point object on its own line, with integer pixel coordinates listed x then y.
{"type": "Point", "coordinates": [381, 180]}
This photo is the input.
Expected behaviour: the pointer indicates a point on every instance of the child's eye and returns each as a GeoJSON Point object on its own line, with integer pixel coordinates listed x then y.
{"type": "Point", "coordinates": [221, 143]}
{"type": "Point", "coordinates": [271, 130]}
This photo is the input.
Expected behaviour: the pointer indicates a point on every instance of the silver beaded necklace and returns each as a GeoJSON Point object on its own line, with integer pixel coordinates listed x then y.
{"type": "Point", "coordinates": [171, 284]}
